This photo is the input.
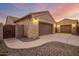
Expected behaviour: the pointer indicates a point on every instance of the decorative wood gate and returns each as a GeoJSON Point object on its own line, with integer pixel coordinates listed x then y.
{"type": "Point", "coordinates": [8, 31]}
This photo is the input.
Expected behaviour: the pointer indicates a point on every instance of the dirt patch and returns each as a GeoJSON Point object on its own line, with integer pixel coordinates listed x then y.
{"type": "Point", "coordinates": [48, 49]}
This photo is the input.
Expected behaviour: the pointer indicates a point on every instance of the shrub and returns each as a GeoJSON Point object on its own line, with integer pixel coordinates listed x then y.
{"type": "Point", "coordinates": [3, 53]}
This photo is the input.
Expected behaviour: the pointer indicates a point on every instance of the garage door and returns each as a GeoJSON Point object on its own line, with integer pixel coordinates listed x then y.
{"type": "Point", "coordinates": [66, 28]}
{"type": "Point", "coordinates": [45, 28]}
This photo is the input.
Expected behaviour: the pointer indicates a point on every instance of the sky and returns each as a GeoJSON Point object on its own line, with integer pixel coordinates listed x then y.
{"type": "Point", "coordinates": [58, 11]}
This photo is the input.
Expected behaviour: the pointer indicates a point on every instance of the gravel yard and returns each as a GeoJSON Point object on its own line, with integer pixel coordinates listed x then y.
{"type": "Point", "coordinates": [48, 49]}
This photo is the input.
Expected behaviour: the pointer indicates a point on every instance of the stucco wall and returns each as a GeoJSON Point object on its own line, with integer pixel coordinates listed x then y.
{"type": "Point", "coordinates": [33, 30]}
{"type": "Point", "coordinates": [19, 31]}
{"type": "Point", "coordinates": [10, 20]}
{"type": "Point", "coordinates": [47, 18]}
{"type": "Point", "coordinates": [30, 28]}
{"type": "Point", "coordinates": [24, 22]}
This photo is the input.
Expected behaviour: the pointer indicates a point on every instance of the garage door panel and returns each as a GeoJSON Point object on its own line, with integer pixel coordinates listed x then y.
{"type": "Point", "coordinates": [45, 28]}
{"type": "Point", "coordinates": [66, 28]}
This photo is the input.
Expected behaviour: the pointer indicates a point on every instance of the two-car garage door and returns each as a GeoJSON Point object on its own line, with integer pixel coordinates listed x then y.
{"type": "Point", "coordinates": [45, 28]}
{"type": "Point", "coordinates": [66, 28]}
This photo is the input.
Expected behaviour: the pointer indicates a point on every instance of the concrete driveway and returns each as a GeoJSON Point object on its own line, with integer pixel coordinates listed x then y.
{"type": "Point", "coordinates": [60, 37]}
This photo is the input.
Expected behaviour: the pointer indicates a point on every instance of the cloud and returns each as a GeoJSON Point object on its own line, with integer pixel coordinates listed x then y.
{"type": "Point", "coordinates": [58, 10]}
{"type": "Point", "coordinates": [63, 10]}
{"type": "Point", "coordinates": [20, 5]}
{"type": "Point", "coordinates": [41, 6]}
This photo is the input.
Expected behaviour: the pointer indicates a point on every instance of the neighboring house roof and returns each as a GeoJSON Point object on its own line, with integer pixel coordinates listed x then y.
{"type": "Point", "coordinates": [34, 13]}
{"type": "Point", "coordinates": [67, 20]}
{"type": "Point", "coordinates": [10, 19]}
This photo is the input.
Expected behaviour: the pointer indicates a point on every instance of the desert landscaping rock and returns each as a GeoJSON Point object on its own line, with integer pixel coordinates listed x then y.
{"type": "Point", "coordinates": [48, 49]}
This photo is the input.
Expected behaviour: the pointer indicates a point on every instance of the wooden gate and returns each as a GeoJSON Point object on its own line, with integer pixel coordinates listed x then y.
{"type": "Point", "coordinates": [8, 31]}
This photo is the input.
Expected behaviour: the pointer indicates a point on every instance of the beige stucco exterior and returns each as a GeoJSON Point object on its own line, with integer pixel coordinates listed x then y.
{"type": "Point", "coordinates": [33, 30]}
{"type": "Point", "coordinates": [73, 24]}
{"type": "Point", "coordinates": [31, 25]}
{"type": "Point", "coordinates": [24, 22]}
{"type": "Point", "coordinates": [19, 31]}
{"type": "Point", "coordinates": [10, 20]}
{"type": "Point", "coordinates": [30, 29]}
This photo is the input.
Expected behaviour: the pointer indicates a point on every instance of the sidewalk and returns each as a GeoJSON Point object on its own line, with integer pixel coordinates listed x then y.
{"type": "Point", "coordinates": [64, 38]}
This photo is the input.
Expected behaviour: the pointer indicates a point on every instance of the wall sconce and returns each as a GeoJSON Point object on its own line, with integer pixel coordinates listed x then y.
{"type": "Point", "coordinates": [58, 26]}
{"type": "Point", "coordinates": [35, 21]}
{"type": "Point", "coordinates": [54, 25]}
{"type": "Point", "coordinates": [73, 25]}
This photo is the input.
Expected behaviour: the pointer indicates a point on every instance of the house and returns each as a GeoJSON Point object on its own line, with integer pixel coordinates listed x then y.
{"type": "Point", "coordinates": [37, 24]}
{"type": "Point", "coordinates": [10, 20]}
{"type": "Point", "coordinates": [67, 26]}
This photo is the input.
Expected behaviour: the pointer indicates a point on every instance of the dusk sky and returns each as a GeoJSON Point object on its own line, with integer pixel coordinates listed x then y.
{"type": "Point", "coordinates": [58, 11]}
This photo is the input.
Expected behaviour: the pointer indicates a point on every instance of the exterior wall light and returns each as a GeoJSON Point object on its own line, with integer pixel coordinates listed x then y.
{"type": "Point", "coordinates": [58, 26]}
{"type": "Point", "coordinates": [73, 25]}
{"type": "Point", "coordinates": [54, 25]}
{"type": "Point", "coordinates": [35, 21]}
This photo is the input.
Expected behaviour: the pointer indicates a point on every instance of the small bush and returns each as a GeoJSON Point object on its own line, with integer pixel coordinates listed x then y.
{"type": "Point", "coordinates": [3, 53]}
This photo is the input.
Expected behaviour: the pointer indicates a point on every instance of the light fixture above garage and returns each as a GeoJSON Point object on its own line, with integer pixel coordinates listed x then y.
{"type": "Point", "coordinates": [54, 25]}
{"type": "Point", "coordinates": [58, 25]}
{"type": "Point", "coordinates": [35, 20]}
{"type": "Point", "coordinates": [73, 25]}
